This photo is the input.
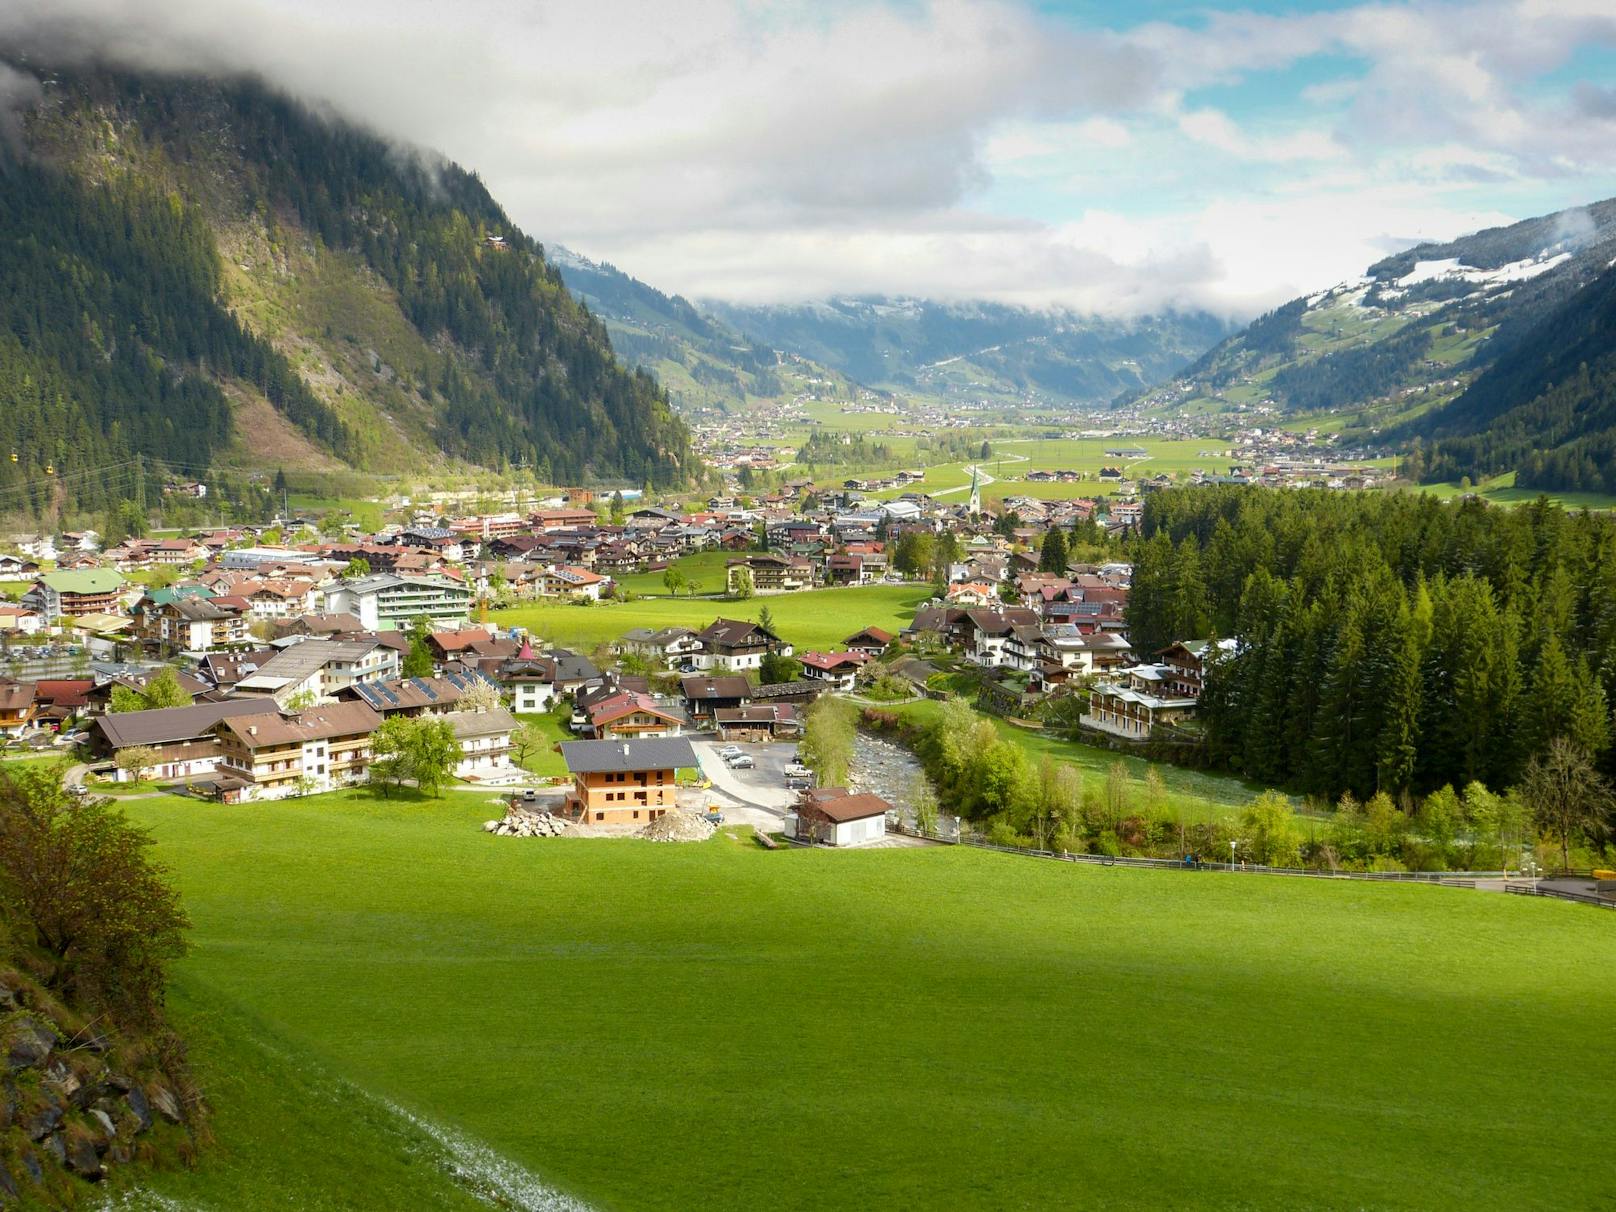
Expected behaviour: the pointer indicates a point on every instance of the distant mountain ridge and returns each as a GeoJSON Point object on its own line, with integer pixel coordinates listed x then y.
{"type": "Point", "coordinates": [699, 359]}
{"type": "Point", "coordinates": [1408, 336]}
{"type": "Point", "coordinates": [979, 350]}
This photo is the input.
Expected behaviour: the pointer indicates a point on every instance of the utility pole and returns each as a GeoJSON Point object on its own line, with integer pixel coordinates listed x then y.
{"type": "Point", "coordinates": [140, 481]}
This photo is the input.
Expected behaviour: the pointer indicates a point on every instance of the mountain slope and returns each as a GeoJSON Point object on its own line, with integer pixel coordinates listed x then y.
{"type": "Point", "coordinates": [1546, 407]}
{"type": "Point", "coordinates": [294, 283]}
{"type": "Point", "coordinates": [985, 351]}
{"type": "Point", "coordinates": [1411, 333]}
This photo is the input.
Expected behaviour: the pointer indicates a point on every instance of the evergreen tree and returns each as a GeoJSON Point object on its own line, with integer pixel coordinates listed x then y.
{"type": "Point", "coordinates": [1052, 557]}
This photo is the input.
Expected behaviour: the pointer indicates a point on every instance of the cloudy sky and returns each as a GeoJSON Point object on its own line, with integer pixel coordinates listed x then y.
{"type": "Point", "coordinates": [1117, 157]}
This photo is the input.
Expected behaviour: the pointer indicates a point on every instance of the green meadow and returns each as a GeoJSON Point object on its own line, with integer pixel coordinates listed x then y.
{"type": "Point", "coordinates": [1501, 490]}
{"type": "Point", "coordinates": [816, 619]}
{"type": "Point", "coordinates": [380, 994]}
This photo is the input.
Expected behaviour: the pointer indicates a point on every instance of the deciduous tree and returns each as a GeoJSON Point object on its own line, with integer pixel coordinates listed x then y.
{"type": "Point", "coordinates": [1567, 797]}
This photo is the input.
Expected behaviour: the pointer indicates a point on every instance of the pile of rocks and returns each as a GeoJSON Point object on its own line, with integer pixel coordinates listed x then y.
{"type": "Point", "coordinates": [678, 827]}
{"type": "Point", "coordinates": [521, 822]}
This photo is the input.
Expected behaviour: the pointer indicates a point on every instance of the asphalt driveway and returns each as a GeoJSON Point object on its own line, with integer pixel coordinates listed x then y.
{"type": "Point", "coordinates": [763, 787]}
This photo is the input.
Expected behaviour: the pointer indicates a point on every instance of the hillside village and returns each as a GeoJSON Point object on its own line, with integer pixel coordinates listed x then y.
{"type": "Point", "coordinates": [283, 654]}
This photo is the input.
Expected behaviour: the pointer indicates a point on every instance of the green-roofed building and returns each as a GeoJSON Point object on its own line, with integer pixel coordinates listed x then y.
{"type": "Point", "coordinates": [70, 594]}
{"type": "Point", "coordinates": [173, 593]}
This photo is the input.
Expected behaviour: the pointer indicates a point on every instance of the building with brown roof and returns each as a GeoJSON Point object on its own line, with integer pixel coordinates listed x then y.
{"type": "Point", "coordinates": [759, 722]}
{"type": "Point", "coordinates": [704, 695]}
{"type": "Point", "coordinates": [182, 738]}
{"type": "Point", "coordinates": [17, 708]}
{"type": "Point", "coordinates": [629, 713]}
{"type": "Point", "coordinates": [271, 756]}
{"type": "Point", "coordinates": [834, 816]}
{"type": "Point", "coordinates": [733, 645]}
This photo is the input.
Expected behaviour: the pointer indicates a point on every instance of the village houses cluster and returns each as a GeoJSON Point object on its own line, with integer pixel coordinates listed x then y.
{"type": "Point", "coordinates": [290, 655]}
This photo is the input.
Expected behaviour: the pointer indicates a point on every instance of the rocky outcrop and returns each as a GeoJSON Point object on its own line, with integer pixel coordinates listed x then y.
{"type": "Point", "coordinates": [69, 1112]}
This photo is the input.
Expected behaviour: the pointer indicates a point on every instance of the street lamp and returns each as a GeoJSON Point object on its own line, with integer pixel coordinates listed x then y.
{"type": "Point", "coordinates": [1232, 845]}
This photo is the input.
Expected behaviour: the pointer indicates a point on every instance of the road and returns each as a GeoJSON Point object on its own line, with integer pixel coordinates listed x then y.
{"type": "Point", "coordinates": [984, 476]}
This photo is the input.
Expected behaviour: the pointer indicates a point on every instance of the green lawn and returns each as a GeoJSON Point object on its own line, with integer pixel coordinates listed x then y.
{"type": "Point", "coordinates": [1012, 458]}
{"type": "Point", "coordinates": [819, 618]}
{"type": "Point", "coordinates": [553, 725]}
{"type": "Point", "coordinates": [370, 515]}
{"type": "Point", "coordinates": [670, 1027]}
{"type": "Point", "coordinates": [709, 569]}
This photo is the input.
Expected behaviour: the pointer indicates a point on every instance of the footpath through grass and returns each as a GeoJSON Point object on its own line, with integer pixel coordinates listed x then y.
{"type": "Point", "coordinates": [818, 618]}
{"type": "Point", "coordinates": [715, 1026]}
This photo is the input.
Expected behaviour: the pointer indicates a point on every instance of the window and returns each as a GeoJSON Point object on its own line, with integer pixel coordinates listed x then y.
{"type": "Point", "coordinates": [600, 816]}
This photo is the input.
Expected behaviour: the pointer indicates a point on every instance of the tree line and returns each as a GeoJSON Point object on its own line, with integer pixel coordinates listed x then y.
{"type": "Point", "coordinates": [1385, 642]}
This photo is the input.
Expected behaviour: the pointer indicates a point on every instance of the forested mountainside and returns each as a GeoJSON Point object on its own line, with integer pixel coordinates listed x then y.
{"type": "Point", "coordinates": [206, 273]}
{"type": "Point", "coordinates": [700, 360]}
{"type": "Point", "coordinates": [981, 350]}
{"type": "Point", "coordinates": [1409, 335]}
{"type": "Point", "coordinates": [1384, 641]}
{"type": "Point", "coordinates": [1545, 408]}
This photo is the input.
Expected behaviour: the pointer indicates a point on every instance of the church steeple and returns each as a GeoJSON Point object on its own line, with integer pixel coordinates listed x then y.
{"type": "Point", "coordinates": [975, 505]}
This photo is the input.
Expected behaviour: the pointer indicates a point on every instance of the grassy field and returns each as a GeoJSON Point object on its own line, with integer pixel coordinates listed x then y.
{"type": "Point", "coordinates": [709, 569]}
{"type": "Point", "coordinates": [819, 618]}
{"type": "Point", "coordinates": [713, 1025]}
{"type": "Point", "coordinates": [553, 726]}
{"type": "Point", "coordinates": [370, 515]}
{"type": "Point", "coordinates": [1013, 458]}
{"type": "Point", "coordinates": [1501, 490]}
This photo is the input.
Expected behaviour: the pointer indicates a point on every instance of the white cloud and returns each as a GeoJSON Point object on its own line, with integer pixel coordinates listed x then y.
{"type": "Point", "coordinates": [1216, 129]}
{"type": "Point", "coordinates": [771, 151]}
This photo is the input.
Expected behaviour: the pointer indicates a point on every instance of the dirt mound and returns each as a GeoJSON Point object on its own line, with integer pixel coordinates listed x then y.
{"type": "Point", "coordinates": [678, 827]}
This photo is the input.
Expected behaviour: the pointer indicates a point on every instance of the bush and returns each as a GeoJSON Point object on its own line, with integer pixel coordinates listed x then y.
{"type": "Point", "coordinates": [1003, 833]}
{"type": "Point", "coordinates": [76, 880]}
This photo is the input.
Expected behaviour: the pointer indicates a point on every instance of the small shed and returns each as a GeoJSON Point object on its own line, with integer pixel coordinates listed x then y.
{"type": "Point", "coordinates": [834, 816]}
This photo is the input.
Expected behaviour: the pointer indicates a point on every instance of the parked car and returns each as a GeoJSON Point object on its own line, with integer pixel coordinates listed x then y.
{"type": "Point", "coordinates": [796, 770]}
{"type": "Point", "coordinates": [730, 751]}
{"type": "Point", "coordinates": [741, 763]}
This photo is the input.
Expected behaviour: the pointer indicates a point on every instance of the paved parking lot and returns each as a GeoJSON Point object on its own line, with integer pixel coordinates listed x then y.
{"type": "Point", "coordinates": [762, 788]}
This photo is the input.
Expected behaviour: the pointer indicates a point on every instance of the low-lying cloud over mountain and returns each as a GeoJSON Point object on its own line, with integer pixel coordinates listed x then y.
{"type": "Point", "coordinates": [766, 153]}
